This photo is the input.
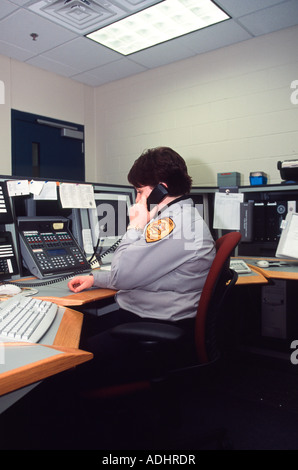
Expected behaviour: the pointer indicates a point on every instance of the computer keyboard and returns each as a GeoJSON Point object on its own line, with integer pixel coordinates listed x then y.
{"type": "Point", "coordinates": [239, 266]}
{"type": "Point", "coordinates": [25, 318]}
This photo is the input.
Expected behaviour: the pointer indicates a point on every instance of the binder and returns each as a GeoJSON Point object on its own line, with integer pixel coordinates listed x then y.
{"type": "Point", "coordinates": [272, 225]}
{"type": "Point", "coordinates": [246, 221]}
{"type": "Point", "coordinates": [259, 221]}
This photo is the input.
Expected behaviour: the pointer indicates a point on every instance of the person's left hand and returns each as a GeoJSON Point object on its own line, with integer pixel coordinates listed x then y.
{"type": "Point", "coordinates": [79, 283]}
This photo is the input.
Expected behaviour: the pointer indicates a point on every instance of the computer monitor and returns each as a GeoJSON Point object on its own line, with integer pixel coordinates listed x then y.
{"type": "Point", "coordinates": [109, 220]}
{"type": "Point", "coordinates": [198, 200]}
{"type": "Point", "coordinates": [203, 200]}
{"type": "Point", "coordinates": [288, 242]}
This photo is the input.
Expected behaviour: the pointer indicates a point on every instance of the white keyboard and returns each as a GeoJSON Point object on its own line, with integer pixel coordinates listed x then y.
{"type": "Point", "coordinates": [239, 266]}
{"type": "Point", "coordinates": [25, 318]}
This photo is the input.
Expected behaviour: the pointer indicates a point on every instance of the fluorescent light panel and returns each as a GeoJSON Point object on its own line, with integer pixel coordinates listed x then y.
{"type": "Point", "coordinates": [158, 23]}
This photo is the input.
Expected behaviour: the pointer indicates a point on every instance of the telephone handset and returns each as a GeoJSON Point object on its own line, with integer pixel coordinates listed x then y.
{"type": "Point", "coordinates": [8, 263]}
{"type": "Point", "coordinates": [48, 247]}
{"type": "Point", "coordinates": [156, 196]}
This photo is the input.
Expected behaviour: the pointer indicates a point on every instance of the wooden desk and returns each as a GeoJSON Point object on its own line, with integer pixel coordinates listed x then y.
{"type": "Point", "coordinates": [287, 271]}
{"type": "Point", "coordinates": [81, 298]}
{"type": "Point", "coordinates": [254, 277]}
{"type": "Point", "coordinates": [26, 364]}
{"type": "Point", "coordinates": [36, 362]}
{"type": "Point", "coordinates": [62, 353]}
{"type": "Point", "coordinates": [59, 293]}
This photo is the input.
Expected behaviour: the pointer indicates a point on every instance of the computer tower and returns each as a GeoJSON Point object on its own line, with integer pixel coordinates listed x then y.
{"type": "Point", "coordinates": [279, 309]}
{"type": "Point", "coordinates": [274, 310]}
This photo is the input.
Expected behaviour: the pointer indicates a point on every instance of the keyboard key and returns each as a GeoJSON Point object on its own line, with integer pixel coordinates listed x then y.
{"type": "Point", "coordinates": [25, 318]}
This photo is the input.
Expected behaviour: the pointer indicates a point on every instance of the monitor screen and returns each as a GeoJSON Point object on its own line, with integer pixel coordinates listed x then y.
{"type": "Point", "coordinates": [109, 220]}
{"type": "Point", "coordinates": [288, 242]}
{"type": "Point", "coordinates": [202, 198]}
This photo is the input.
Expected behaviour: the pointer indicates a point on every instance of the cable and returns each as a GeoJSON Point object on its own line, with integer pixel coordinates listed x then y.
{"type": "Point", "coordinates": [70, 275]}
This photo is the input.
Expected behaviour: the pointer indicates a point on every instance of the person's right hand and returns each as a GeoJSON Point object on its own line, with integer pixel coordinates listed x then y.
{"type": "Point", "coordinates": [138, 214]}
{"type": "Point", "coordinates": [79, 283]}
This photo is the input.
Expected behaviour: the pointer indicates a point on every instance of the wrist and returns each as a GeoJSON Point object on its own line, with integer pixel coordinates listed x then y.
{"type": "Point", "coordinates": [133, 226]}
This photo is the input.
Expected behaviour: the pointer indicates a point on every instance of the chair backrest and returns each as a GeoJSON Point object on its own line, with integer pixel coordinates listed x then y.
{"type": "Point", "coordinates": [219, 281]}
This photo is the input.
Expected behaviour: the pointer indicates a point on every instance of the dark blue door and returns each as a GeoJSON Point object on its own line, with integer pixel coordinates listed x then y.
{"type": "Point", "coordinates": [47, 148]}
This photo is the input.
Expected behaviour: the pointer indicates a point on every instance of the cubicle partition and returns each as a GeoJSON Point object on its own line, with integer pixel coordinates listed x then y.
{"type": "Point", "coordinates": [257, 211]}
{"type": "Point", "coordinates": [89, 211]}
{"type": "Point", "coordinates": [97, 214]}
{"type": "Point", "coordinates": [263, 214]}
{"type": "Point", "coordinates": [90, 218]}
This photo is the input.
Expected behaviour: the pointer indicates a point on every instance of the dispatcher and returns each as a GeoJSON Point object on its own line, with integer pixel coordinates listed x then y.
{"type": "Point", "coordinates": [160, 267]}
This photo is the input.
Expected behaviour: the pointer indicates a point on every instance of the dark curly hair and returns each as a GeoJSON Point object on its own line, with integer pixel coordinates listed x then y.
{"type": "Point", "coordinates": [161, 165]}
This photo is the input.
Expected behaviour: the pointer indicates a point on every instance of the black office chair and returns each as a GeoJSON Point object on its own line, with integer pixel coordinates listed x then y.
{"type": "Point", "coordinates": [161, 347]}
{"type": "Point", "coordinates": [219, 282]}
{"type": "Point", "coordinates": [166, 349]}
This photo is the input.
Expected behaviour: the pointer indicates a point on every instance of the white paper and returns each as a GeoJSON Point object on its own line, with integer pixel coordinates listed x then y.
{"type": "Point", "coordinates": [48, 191]}
{"type": "Point", "coordinates": [18, 187]}
{"type": "Point", "coordinates": [87, 241]}
{"type": "Point", "coordinates": [77, 196]}
{"type": "Point", "coordinates": [35, 187]}
{"type": "Point", "coordinates": [227, 210]}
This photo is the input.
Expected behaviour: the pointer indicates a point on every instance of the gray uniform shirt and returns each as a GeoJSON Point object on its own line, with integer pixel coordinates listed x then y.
{"type": "Point", "coordinates": [159, 273]}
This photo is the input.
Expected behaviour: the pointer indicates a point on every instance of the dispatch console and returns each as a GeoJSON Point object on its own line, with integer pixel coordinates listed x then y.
{"type": "Point", "coordinates": [48, 248]}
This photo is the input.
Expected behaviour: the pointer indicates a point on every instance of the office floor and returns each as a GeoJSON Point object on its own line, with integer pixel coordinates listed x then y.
{"type": "Point", "coordinates": [254, 398]}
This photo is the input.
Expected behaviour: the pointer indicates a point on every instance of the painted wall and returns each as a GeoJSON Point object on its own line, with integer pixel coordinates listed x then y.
{"type": "Point", "coordinates": [5, 132]}
{"type": "Point", "coordinates": [36, 91]}
{"type": "Point", "coordinates": [227, 110]}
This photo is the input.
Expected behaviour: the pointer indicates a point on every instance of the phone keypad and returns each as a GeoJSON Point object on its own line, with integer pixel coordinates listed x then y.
{"type": "Point", "coordinates": [6, 252]}
{"type": "Point", "coordinates": [5, 266]}
{"type": "Point", "coordinates": [55, 251]}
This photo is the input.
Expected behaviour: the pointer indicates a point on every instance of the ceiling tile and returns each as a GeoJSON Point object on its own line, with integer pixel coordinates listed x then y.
{"type": "Point", "coordinates": [237, 8]}
{"type": "Point", "coordinates": [16, 30]}
{"type": "Point", "coordinates": [272, 19]}
{"type": "Point", "coordinates": [60, 50]}
{"type": "Point", "coordinates": [6, 8]}
{"type": "Point", "coordinates": [84, 16]}
{"type": "Point", "coordinates": [114, 71]}
{"type": "Point", "coordinates": [15, 52]}
{"type": "Point", "coordinates": [60, 68]}
{"type": "Point", "coordinates": [162, 54]}
{"type": "Point", "coordinates": [19, 2]}
{"type": "Point", "coordinates": [216, 36]}
{"type": "Point", "coordinates": [82, 54]}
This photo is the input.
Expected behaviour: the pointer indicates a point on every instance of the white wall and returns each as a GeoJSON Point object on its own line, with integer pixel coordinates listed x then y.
{"type": "Point", "coordinates": [227, 110]}
{"type": "Point", "coordinates": [36, 91]}
{"type": "Point", "coordinates": [5, 134]}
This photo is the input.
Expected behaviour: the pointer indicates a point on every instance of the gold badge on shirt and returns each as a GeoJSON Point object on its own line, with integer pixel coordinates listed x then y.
{"type": "Point", "coordinates": [159, 229]}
